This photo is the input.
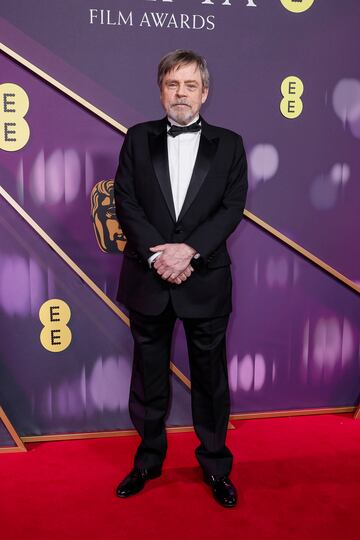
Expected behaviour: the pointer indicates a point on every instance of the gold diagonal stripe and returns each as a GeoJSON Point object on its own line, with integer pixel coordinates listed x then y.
{"type": "Point", "coordinates": [182, 429]}
{"type": "Point", "coordinates": [20, 210]}
{"type": "Point", "coordinates": [296, 247]}
{"type": "Point", "coordinates": [55, 247]}
{"type": "Point", "coordinates": [292, 412]}
{"type": "Point", "coordinates": [18, 239]}
{"type": "Point", "coordinates": [95, 110]}
{"type": "Point", "coordinates": [252, 217]}
{"type": "Point", "coordinates": [102, 434]}
{"type": "Point", "coordinates": [12, 432]}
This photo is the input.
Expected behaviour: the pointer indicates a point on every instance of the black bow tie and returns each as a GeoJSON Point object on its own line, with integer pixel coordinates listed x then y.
{"type": "Point", "coordinates": [174, 131]}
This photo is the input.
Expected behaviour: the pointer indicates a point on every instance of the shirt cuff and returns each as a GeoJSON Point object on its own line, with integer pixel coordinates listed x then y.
{"type": "Point", "coordinates": [152, 258]}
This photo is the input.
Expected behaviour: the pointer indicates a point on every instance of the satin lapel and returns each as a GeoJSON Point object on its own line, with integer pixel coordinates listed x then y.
{"type": "Point", "coordinates": [159, 155]}
{"type": "Point", "coordinates": [206, 153]}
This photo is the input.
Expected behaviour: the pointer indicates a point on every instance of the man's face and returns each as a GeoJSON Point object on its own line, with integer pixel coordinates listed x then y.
{"type": "Point", "coordinates": [182, 93]}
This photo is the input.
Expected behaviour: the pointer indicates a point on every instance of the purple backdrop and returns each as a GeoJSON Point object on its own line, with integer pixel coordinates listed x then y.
{"type": "Point", "coordinates": [294, 333]}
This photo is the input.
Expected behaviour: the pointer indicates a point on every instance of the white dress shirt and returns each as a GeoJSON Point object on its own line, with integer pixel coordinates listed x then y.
{"type": "Point", "coordinates": [182, 152]}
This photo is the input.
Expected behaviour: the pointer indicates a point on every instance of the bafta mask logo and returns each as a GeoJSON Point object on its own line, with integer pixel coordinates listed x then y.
{"type": "Point", "coordinates": [108, 232]}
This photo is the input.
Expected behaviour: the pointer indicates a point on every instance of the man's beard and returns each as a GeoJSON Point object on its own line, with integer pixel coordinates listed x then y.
{"type": "Point", "coordinates": [182, 115]}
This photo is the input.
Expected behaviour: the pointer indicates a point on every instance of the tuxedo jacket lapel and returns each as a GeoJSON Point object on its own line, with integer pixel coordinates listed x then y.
{"type": "Point", "coordinates": [159, 156]}
{"type": "Point", "coordinates": [205, 156]}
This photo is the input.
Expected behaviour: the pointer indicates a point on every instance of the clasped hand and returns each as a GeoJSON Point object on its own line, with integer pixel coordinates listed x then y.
{"type": "Point", "coordinates": [173, 264]}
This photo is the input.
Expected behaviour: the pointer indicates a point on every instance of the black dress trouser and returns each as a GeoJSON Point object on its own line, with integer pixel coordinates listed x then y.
{"type": "Point", "coordinates": [150, 387]}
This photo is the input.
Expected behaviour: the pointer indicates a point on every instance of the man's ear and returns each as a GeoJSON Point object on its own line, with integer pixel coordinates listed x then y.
{"type": "Point", "coordinates": [204, 96]}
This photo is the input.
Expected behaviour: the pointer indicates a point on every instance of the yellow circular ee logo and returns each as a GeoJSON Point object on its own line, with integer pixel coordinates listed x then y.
{"type": "Point", "coordinates": [297, 6]}
{"type": "Point", "coordinates": [14, 129]}
{"type": "Point", "coordinates": [55, 314]}
{"type": "Point", "coordinates": [291, 105]}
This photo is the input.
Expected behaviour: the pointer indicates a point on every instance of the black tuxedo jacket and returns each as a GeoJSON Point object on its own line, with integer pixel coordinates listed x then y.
{"type": "Point", "coordinates": [213, 207]}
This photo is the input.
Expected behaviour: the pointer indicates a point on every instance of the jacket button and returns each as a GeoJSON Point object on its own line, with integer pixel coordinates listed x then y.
{"type": "Point", "coordinates": [178, 231]}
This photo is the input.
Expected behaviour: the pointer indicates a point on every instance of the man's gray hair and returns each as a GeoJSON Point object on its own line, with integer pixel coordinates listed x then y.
{"type": "Point", "coordinates": [182, 57]}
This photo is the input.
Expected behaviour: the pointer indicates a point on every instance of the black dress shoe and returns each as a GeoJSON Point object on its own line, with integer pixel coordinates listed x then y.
{"type": "Point", "coordinates": [135, 481]}
{"type": "Point", "coordinates": [223, 490]}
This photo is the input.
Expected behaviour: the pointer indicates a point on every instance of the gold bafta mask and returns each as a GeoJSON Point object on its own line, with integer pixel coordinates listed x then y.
{"type": "Point", "coordinates": [108, 232]}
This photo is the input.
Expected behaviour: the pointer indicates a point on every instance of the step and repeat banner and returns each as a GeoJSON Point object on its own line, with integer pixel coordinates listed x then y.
{"type": "Point", "coordinates": [285, 75]}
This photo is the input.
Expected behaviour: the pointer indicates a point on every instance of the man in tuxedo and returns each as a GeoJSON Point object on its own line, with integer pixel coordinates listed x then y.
{"type": "Point", "coordinates": [180, 191]}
